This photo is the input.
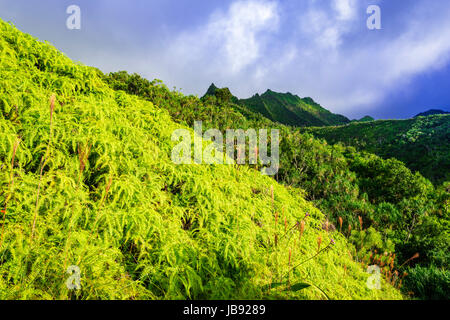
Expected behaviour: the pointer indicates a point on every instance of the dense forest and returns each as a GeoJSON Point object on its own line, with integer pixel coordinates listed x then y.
{"type": "Point", "coordinates": [86, 179]}
{"type": "Point", "coordinates": [422, 143]}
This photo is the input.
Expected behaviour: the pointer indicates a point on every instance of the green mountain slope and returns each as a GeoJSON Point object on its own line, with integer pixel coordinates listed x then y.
{"type": "Point", "coordinates": [86, 179]}
{"type": "Point", "coordinates": [431, 112]}
{"type": "Point", "coordinates": [286, 108]}
{"type": "Point", "coordinates": [290, 109]}
{"type": "Point", "coordinates": [423, 143]}
{"type": "Point", "coordinates": [364, 119]}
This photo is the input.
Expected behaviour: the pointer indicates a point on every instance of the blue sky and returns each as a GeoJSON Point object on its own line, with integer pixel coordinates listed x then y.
{"type": "Point", "coordinates": [316, 48]}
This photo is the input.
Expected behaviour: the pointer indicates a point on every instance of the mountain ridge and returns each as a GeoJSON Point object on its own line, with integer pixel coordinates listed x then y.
{"type": "Point", "coordinates": [364, 119]}
{"type": "Point", "coordinates": [431, 112]}
{"type": "Point", "coordinates": [286, 108]}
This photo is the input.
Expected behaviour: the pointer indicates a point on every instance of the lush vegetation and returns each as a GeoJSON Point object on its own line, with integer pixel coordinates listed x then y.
{"type": "Point", "coordinates": [86, 179]}
{"type": "Point", "coordinates": [286, 108]}
{"type": "Point", "coordinates": [383, 208]}
{"type": "Point", "coordinates": [422, 143]}
{"type": "Point", "coordinates": [364, 119]}
{"type": "Point", "coordinates": [431, 112]}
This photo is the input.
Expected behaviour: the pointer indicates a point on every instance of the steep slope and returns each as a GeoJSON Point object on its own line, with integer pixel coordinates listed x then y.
{"type": "Point", "coordinates": [290, 109]}
{"type": "Point", "coordinates": [86, 179]}
{"type": "Point", "coordinates": [423, 143]}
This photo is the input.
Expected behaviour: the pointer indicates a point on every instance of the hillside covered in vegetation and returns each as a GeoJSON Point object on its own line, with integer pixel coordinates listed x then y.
{"type": "Point", "coordinates": [285, 108]}
{"type": "Point", "coordinates": [422, 143]}
{"type": "Point", "coordinates": [364, 119]}
{"type": "Point", "coordinates": [431, 112]}
{"type": "Point", "coordinates": [87, 180]}
{"type": "Point", "coordinates": [391, 216]}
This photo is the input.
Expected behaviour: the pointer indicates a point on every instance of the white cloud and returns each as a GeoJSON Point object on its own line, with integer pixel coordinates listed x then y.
{"type": "Point", "coordinates": [390, 64]}
{"type": "Point", "coordinates": [346, 9]}
{"type": "Point", "coordinates": [342, 70]}
{"type": "Point", "coordinates": [414, 52]}
{"type": "Point", "coordinates": [230, 41]}
{"type": "Point", "coordinates": [326, 25]}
